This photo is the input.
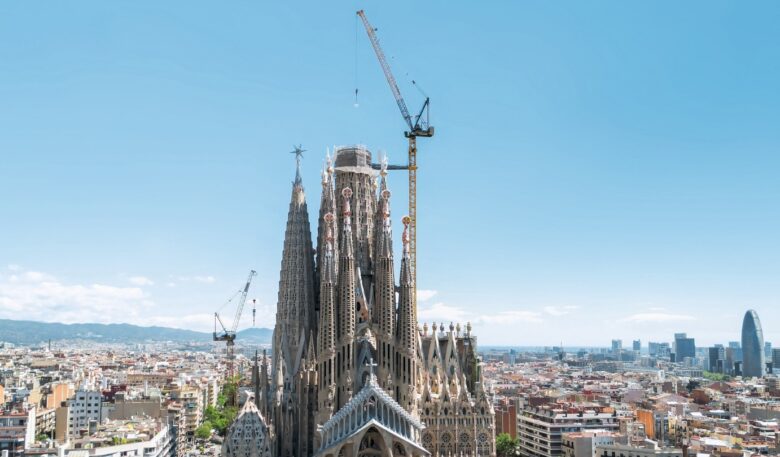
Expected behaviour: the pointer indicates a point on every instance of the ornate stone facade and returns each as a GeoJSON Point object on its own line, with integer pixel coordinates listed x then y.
{"type": "Point", "coordinates": [248, 435]}
{"type": "Point", "coordinates": [337, 316]}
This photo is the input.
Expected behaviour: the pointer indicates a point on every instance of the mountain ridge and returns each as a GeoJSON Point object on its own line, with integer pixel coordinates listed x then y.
{"type": "Point", "coordinates": [23, 332]}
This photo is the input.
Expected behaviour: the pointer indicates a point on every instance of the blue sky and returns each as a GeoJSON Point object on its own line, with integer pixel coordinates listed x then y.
{"type": "Point", "coordinates": [600, 169]}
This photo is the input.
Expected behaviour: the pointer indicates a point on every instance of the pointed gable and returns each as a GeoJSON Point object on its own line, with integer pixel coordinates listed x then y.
{"type": "Point", "coordinates": [372, 407]}
{"type": "Point", "coordinates": [248, 435]}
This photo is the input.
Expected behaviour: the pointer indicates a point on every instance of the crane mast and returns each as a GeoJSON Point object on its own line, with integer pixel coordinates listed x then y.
{"type": "Point", "coordinates": [228, 335]}
{"type": "Point", "coordinates": [418, 127]}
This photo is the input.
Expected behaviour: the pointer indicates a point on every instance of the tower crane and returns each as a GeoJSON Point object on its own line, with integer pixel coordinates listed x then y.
{"type": "Point", "coordinates": [418, 127]}
{"type": "Point", "coordinates": [228, 335]}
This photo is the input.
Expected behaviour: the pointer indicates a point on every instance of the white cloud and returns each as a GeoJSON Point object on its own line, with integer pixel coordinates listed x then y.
{"type": "Point", "coordinates": [509, 317]}
{"type": "Point", "coordinates": [14, 267]}
{"type": "Point", "coordinates": [39, 296]}
{"type": "Point", "coordinates": [425, 295]}
{"type": "Point", "coordinates": [140, 281]}
{"type": "Point", "coordinates": [440, 312]}
{"type": "Point", "coordinates": [205, 279]}
{"type": "Point", "coordinates": [198, 321]}
{"type": "Point", "coordinates": [560, 310]}
{"type": "Point", "coordinates": [657, 317]}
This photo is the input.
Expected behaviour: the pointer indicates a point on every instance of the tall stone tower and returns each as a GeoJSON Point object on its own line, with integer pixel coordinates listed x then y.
{"type": "Point", "coordinates": [347, 332]}
{"type": "Point", "coordinates": [293, 373]}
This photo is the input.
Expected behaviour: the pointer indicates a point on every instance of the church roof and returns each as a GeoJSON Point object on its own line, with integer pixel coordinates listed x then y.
{"type": "Point", "coordinates": [248, 435]}
{"type": "Point", "coordinates": [372, 405]}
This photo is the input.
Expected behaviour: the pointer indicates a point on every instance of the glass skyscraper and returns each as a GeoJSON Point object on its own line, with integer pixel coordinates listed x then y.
{"type": "Point", "coordinates": [753, 360]}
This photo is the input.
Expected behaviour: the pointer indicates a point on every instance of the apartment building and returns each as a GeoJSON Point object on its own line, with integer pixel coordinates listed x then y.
{"type": "Point", "coordinates": [623, 450]}
{"type": "Point", "coordinates": [583, 444]}
{"type": "Point", "coordinates": [540, 430]}
{"type": "Point", "coordinates": [17, 431]}
{"type": "Point", "coordinates": [86, 406]}
{"type": "Point", "coordinates": [191, 400]}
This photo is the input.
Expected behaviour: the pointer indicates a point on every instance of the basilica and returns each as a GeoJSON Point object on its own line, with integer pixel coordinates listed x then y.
{"type": "Point", "coordinates": [352, 373]}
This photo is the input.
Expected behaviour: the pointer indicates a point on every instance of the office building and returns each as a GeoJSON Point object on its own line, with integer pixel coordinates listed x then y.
{"type": "Point", "coordinates": [753, 359]}
{"type": "Point", "coordinates": [658, 349]}
{"type": "Point", "coordinates": [617, 346]}
{"type": "Point", "coordinates": [716, 357]}
{"type": "Point", "coordinates": [684, 347]}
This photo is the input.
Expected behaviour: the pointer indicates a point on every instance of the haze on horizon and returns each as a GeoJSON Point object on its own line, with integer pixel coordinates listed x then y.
{"type": "Point", "coordinates": [599, 171]}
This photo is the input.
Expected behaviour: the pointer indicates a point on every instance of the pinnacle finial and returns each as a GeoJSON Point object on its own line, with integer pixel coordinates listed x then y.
{"type": "Point", "coordinates": [347, 194]}
{"type": "Point", "coordinates": [386, 207]}
{"type": "Point", "coordinates": [329, 218]}
{"type": "Point", "coordinates": [329, 163]}
{"type": "Point", "coordinates": [405, 236]}
{"type": "Point", "coordinates": [298, 151]}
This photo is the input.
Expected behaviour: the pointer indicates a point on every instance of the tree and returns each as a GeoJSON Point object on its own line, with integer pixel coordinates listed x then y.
{"type": "Point", "coordinates": [506, 445]}
{"type": "Point", "coordinates": [204, 431]}
{"type": "Point", "coordinates": [220, 417]}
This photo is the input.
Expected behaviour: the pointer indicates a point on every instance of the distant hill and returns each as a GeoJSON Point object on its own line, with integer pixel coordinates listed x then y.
{"type": "Point", "coordinates": [31, 332]}
{"type": "Point", "coordinates": [255, 335]}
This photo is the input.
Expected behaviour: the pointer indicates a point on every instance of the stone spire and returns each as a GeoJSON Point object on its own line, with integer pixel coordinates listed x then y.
{"type": "Point", "coordinates": [296, 302]}
{"type": "Point", "coordinates": [327, 320]}
{"type": "Point", "coordinates": [327, 206]}
{"type": "Point", "coordinates": [347, 280]}
{"type": "Point", "coordinates": [347, 287]}
{"type": "Point", "coordinates": [295, 319]}
{"type": "Point", "coordinates": [407, 330]}
{"type": "Point", "coordinates": [384, 301]}
{"type": "Point", "coordinates": [256, 381]}
{"type": "Point", "coordinates": [263, 402]}
{"type": "Point", "coordinates": [382, 209]}
{"type": "Point", "coordinates": [384, 274]}
{"type": "Point", "coordinates": [326, 342]}
{"type": "Point", "coordinates": [407, 314]}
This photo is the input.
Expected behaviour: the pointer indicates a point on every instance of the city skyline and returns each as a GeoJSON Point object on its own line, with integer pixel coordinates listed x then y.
{"type": "Point", "coordinates": [591, 179]}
